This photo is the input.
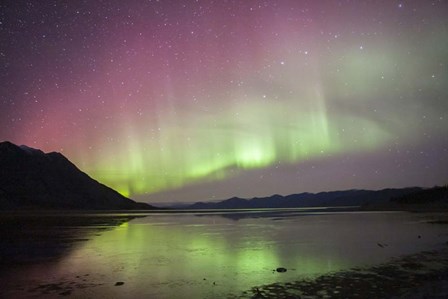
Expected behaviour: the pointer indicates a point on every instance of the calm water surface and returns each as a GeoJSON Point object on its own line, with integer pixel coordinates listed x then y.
{"type": "Point", "coordinates": [213, 255]}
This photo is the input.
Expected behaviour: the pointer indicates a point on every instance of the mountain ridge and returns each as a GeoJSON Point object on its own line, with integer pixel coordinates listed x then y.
{"type": "Point", "coordinates": [32, 179]}
{"type": "Point", "coordinates": [352, 197]}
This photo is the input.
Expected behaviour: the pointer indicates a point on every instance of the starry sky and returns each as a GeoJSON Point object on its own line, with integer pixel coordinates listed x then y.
{"type": "Point", "coordinates": [170, 101]}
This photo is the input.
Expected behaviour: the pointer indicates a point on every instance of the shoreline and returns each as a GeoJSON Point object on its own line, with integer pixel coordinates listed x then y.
{"type": "Point", "coordinates": [410, 208]}
{"type": "Point", "coordinates": [414, 276]}
{"type": "Point", "coordinates": [417, 276]}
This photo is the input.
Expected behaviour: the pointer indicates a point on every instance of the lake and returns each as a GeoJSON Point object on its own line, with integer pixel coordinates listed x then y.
{"type": "Point", "coordinates": [199, 255]}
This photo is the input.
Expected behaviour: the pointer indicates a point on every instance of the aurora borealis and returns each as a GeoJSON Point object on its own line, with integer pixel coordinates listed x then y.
{"type": "Point", "coordinates": [200, 100]}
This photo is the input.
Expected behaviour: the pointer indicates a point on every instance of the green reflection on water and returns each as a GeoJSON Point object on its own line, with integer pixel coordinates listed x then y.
{"type": "Point", "coordinates": [200, 257]}
{"type": "Point", "coordinates": [212, 256]}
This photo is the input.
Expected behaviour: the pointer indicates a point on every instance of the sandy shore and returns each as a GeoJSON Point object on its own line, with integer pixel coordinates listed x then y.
{"type": "Point", "coordinates": [422, 275]}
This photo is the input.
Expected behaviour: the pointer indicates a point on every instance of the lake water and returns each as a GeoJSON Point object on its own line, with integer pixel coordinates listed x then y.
{"type": "Point", "coordinates": [216, 255]}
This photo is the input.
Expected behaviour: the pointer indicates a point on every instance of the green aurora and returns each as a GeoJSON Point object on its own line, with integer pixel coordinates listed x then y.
{"type": "Point", "coordinates": [180, 107]}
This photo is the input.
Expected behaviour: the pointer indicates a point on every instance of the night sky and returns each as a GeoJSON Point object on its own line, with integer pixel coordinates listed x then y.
{"type": "Point", "coordinates": [200, 100]}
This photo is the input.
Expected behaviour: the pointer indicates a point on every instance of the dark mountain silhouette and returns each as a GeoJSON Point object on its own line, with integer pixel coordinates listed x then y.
{"type": "Point", "coordinates": [431, 199]}
{"type": "Point", "coordinates": [333, 199]}
{"type": "Point", "coordinates": [436, 194]}
{"type": "Point", "coordinates": [30, 178]}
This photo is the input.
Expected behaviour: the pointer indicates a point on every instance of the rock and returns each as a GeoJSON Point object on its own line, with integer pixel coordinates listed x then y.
{"type": "Point", "coordinates": [119, 283]}
{"type": "Point", "coordinates": [281, 270]}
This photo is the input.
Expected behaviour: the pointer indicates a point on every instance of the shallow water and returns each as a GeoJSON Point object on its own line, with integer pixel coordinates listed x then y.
{"type": "Point", "coordinates": [214, 255]}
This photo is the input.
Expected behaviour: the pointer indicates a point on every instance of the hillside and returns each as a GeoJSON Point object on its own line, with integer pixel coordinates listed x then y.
{"type": "Point", "coordinates": [431, 199]}
{"type": "Point", "coordinates": [32, 179]}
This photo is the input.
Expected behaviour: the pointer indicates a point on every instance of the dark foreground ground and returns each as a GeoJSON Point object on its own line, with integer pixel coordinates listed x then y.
{"type": "Point", "coordinates": [423, 275]}
{"type": "Point", "coordinates": [419, 276]}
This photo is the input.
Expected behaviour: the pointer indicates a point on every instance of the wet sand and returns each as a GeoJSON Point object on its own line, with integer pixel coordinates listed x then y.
{"type": "Point", "coordinates": [419, 276]}
{"type": "Point", "coordinates": [423, 275]}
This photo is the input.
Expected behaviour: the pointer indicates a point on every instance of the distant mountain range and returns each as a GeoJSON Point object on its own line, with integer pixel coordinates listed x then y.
{"type": "Point", "coordinates": [363, 198]}
{"type": "Point", "coordinates": [436, 198]}
{"type": "Point", "coordinates": [30, 178]}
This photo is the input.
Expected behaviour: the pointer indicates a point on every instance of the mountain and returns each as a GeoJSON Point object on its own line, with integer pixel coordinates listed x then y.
{"type": "Point", "coordinates": [30, 178]}
{"type": "Point", "coordinates": [322, 199]}
{"type": "Point", "coordinates": [431, 199]}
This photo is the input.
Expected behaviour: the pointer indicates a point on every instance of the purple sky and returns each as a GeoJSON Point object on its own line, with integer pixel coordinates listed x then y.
{"type": "Point", "coordinates": [201, 100]}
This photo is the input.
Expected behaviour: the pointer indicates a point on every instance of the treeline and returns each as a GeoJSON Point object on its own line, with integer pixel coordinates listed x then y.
{"type": "Point", "coordinates": [435, 194]}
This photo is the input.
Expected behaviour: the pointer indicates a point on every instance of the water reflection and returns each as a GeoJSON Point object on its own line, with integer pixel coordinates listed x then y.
{"type": "Point", "coordinates": [274, 213]}
{"type": "Point", "coordinates": [28, 237]}
{"type": "Point", "coordinates": [185, 256]}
